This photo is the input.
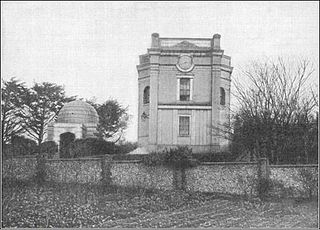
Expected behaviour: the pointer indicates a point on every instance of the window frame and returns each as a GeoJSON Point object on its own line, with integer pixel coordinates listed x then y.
{"type": "Point", "coordinates": [222, 96]}
{"type": "Point", "coordinates": [189, 126]}
{"type": "Point", "coordinates": [144, 101]}
{"type": "Point", "coordinates": [179, 85]}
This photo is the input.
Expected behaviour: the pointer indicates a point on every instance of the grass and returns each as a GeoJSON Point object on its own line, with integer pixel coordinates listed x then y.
{"type": "Point", "coordinates": [26, 204]}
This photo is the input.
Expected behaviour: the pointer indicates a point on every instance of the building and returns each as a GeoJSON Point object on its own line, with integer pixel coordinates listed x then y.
{"type": "Point", "coordinates": [184, 94]}
{"type": "Point", "coordinates": [77, 118]}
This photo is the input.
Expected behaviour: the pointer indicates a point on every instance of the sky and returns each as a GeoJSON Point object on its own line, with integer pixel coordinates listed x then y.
{"type": "Point", "coordinates": [92, 48]}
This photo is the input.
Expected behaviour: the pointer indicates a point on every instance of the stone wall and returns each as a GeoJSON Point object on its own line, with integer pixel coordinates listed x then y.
{"type": "Point", "coordinates": [74, 170]}
{"type": "Point", "coordinates": [231, 178]}
{"type": "Point", "coordinates": [135, 174]}
{"type": "Point", "coordinates": [21, 168]}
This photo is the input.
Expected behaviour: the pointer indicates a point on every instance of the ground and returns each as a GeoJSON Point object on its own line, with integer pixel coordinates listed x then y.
{"type": "Point", "coordinates": [69, 205]}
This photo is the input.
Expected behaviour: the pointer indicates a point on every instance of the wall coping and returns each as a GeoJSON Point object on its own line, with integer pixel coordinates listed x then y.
{"type": "Point", "coordinates": [19, 157]}
{"type": "Point", "coordinates": [125, 161]}
{"type": "Point", "coordinates": [228, 163]}
{"type": "Point", "coordinates": [294, 166]}
{"type": "Point", "coordinates": [73, 159]}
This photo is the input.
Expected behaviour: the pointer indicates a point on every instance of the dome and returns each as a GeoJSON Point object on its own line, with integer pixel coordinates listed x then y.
{"type": "Point", "coordinates": [78, 112]}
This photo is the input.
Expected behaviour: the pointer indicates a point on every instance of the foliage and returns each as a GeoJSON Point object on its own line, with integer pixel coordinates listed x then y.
{"type": "Point", "coordinates": [125, 147]}
{"type": "Point", "coordinates": [180, 157]}
{"type": "Point", "coordinates": [41, 105]}
{"type": "Point", "coordinates": [278, 188]}
{"type": "Point", "coordinates": [90, 147]}
{"type": "Point", "coordinates": [113, 119]}
{"type": "Point", "coordinates": [20, 146]}
{"type": "Point", "coordinates": [214, 157]}
{"type": "Point", "coordinates": [264, 186]}
{"type": "Point", "coordinates": [277, 115]}
{"type": "Point", "coordinates": [12, 99]}
{"type": "Point", "coordinates": [49, 147]}
{"type": "Point", "coordinates": [309, 182]}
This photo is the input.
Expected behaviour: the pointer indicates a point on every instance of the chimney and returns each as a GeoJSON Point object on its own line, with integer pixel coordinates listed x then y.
{"type": "Point", "coordinates": [155, 42]}
{"type": "Point", "coordinates": [216, 41]}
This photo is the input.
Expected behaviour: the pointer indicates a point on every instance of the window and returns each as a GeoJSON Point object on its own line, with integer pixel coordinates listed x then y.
{"type": "Point", "coordinates": [185, 89]}
{"type": "Point", "coordinates": [146, 95]}
{"type": "Point", "coordinates": [184, 125]}
{"type": "Point", "coordinates": [222, 96]}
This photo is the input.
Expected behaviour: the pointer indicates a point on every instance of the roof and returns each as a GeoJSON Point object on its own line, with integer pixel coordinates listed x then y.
{"type": "Point", "coordinates": [78, 112]}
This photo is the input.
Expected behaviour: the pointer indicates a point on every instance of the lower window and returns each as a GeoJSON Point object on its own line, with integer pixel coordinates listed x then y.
{"type": "Point", "coordinates": [184, 125]}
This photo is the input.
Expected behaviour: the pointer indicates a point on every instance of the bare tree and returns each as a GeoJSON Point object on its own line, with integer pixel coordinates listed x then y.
{"type": "Point", "coordinates": [276, 101]}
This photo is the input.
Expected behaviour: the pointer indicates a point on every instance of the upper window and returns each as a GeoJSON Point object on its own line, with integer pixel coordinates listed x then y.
{"type": "Point", "coordinates": [184, 125]}
{"type": "Point", "coordinates": [146, 95]}
{"type": "Point", "coordinates": [185, 89]}
{"type": "Point", "coordinates": [222, 96]}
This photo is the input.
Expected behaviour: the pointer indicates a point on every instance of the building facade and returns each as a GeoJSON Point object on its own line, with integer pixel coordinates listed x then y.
{"type": "Point", "coordinates": [184, 94]}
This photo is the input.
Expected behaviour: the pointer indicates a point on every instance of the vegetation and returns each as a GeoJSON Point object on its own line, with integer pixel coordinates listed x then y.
{"type": "Point", "coordinates": [180, 157]}
{"type": "Point", "coordinates": [113, 119]}
{"type": "Point", "coordinates": [28, 111]}
{"type": "Point", "coordinates": [27, 205]}
{"type": "Point", "coordinates": [12, 99]}
{"type": "Point", "coordinates": [90, 147]}
{"type": "Point", "coordinates": [42, 104]}
{"type": "Point", "coordinates": [277, 114]}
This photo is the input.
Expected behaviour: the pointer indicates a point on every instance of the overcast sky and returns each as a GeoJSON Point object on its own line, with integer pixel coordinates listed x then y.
{"type": "Point", "coordinates": [92, 48]}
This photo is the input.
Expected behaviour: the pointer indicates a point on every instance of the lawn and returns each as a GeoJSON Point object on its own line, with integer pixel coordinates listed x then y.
{"type": "Point", "coordinates": [26, 204]}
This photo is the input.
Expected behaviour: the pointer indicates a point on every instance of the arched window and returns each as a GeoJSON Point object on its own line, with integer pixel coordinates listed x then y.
{"type": "Point", "coordinates": [146, 95]}
{"type": "Point", "coordinates": [222, 96]}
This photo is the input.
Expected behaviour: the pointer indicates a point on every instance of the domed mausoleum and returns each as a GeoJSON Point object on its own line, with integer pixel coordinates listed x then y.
{"type": "Point", "coordinates": [77, 117]}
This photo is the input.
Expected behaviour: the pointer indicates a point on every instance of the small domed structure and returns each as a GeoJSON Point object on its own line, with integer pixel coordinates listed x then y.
{"type": "Point", "coordinates": [78, 112]}
{"type": "Point", "coordinates": [76, 117]}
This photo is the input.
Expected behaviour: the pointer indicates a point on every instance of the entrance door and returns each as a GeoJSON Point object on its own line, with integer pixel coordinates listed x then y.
{"type": "Point", "coordinates": [65, 142]}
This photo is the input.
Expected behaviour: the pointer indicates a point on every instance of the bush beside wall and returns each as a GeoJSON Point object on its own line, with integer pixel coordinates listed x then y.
{"type": "Point", "coordinates": [294, 181]}
{"type": "Point", "coordinates": [90, 147]}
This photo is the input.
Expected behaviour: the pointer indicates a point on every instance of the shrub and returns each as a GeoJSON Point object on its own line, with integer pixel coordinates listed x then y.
{"type": "Point", "coordinates": [90, 147]}
{"type": "Point", "coordinates": [277, 188]}
{"type": "Point", "coordinates": [309, 182]}
{"type": "Point", "coordinates": [180, 157]}
{"type": "Point", "coordinates": [49, 147]}
{"type": "Point", "coordinates": [126, 147]}
{"type": "Point", "coordinates": [214, 157]}
{"type": "Point", "coordinates": [264, 187]}
{"type": "Point", "coordinates": [20, 146]}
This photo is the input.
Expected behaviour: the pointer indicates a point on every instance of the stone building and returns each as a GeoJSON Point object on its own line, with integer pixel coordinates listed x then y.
{"type": "Point", "coordinates": [184, 94]}
{"type": "Point", "coordinates": [78, 118]}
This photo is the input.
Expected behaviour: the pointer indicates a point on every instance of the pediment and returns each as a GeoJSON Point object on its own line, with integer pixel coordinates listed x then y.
{"type": "Point", "coordinates": [185, 44]}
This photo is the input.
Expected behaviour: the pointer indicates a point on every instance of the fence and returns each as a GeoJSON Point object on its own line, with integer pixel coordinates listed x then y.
{"type": "Point", "coordinates": [239, 178]}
